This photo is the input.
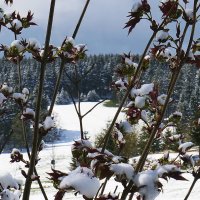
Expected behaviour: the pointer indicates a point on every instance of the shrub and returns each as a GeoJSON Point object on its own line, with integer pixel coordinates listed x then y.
{"type": "Point", "coordinates": [129, 149]}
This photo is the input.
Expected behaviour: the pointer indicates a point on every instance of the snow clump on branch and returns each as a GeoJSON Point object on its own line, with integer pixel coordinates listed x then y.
{"type": "Point", "coordinates": [17, 45]}
{"type": "Point", "coordinates": [16, 24]}
{"type": "Point", "coordinates": [136, 6]}
{"type": "Point", "coordinates": [162, 36]}
{"type": "Point", "coordinates": [9, 195]}
{"type": "Point", "coordinates": [2, 98]}
{"type": "Point", "coordinates": [7, 180]}
{"type": "Point", "coordinates": [33, 44]}
{"type": "Point", "coordinates": [145, 89]}
{"type": "Point", "coordinates": [123, 169]}
{"type": "Point", "coordinates": [82, 180]}
{"type": "Point", "coordinates": [48, 123]}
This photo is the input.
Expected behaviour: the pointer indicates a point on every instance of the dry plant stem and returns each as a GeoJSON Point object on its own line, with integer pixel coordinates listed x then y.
{"type": "Point", "coordinates": [131, 196]}
{"type": "Point", "coordinates": [136, 75]}
{"type": "Point", "coordinates": [24, 131]}
{"type": "Point", "coordinates": [127, 93]}
{"type": "Point", "coordinates": [104, 186]}
{"type": "Point", "coordinates": [60, 75]}
{"type": "Point", "coordinates": [57, 86]}
{"type": "Point", "coordinates": [27, 188]}
{"type": "Point", "coordinates": [41, 186]}
{"type": "Point", "coordinates": [78, 81]}
{"type": "Point", "coordinates": [172, 162]}
{"type": "Point", "coordinates": [6, 140]}
{"type": "Point", "coordinates": [23, 125]}
{"type": "Point", "coordinates": [19, 74]}
{"type": "Point", "coordinates": [191, 188]}
{"type": "Point", "coordinates": [115, 189]}
{"type": "Point", "coordinates": [143, 157]}
{"type": "Point", "coordinates": [20, 88]}
{"type": "Point", "coordinates": [199, 150]}
{"type": "Point", "coordinates": [170, 91]}
{"type": "Point", "coordinates": [1, 187]}
{"type": "Point", "coordinates": [139, 69]}
{"type": "Point", "coordinates": [98, 191]}
{"type": "Point", "coordinates": [25, 138]}
{"type": "Point", "coordinates": [73, 100]}
{"type": "Point", "coordinates": [93, 107]}
{"type": "Point", "coordinates": [81, 126]}
{"type": "Point", "coordinates": [63, 62]}
{"type": "Point", "coordinates": [77, 108]}
{"type": "Point", "coordinates": [80, 19]}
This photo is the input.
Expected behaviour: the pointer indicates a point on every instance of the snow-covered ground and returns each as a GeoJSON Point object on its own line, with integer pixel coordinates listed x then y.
{"type": "Point", "coordinates": [61, 152]}
{"type": "Point", "coordinates": [93, 123]}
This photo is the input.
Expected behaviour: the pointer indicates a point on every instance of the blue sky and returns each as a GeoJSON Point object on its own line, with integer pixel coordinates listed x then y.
{"type": "Point", "coordinates": [102, 28]}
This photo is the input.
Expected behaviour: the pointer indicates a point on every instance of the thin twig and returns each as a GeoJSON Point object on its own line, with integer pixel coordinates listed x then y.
{"type": "Point", "coordinates": [72, 98]}
{"type": "Point", "coordinates": [19, 74]}
{"type": "Point", "coordinates": [191, 188]}
{"type": "Point", "coordinates": [78, 81]}
{"type": "Point", "coordinates": [63, 62]}
{"type": "Point", "coordinates": [6, 140]}
{"type": "Point", "coordinates": [68, 76]}
{"type": "Point", "coordinates": [88, 71]}
{"type": "Point", "coordinates": [104, 186]}
{"type": "Point", "coordinates": [172, 162]}
{"type": "Point", "coordinates": [57, 86]}
{"type": "Point", "coordinates": [98, 191]}
{"type": "Point", "coordinates": [93, 107]}
{"type": "Point", "coordinates": [115, 189]}
{"type": "Point", "coordinates": [80, 19]}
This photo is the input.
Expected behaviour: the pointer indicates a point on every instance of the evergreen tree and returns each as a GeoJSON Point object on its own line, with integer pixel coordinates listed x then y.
{"type": "Point", "coordinates": [63, 98]}
{"type": "Point", "coordinates": [93, 96]}
{"type": "Point", "coordinates": [142, 140]}
{"type": "Point", "coordinates": [195, 131]}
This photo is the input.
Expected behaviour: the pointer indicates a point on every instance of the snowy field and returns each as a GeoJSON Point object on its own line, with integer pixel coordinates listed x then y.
{"type": "Point", "coordinates": [93, 123]}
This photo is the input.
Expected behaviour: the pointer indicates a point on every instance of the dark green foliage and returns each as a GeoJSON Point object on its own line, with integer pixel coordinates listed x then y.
{"type": "Point", "coordinates": [63, 98]}
{"type": "Point", "coordinates": [8, 113]}
{"type": "Point", "coordinates": [111, 146]}
{"type": "Point", "coordinates": [53, 135]}
{"type": "Point", "coordinates": [111, 103]}
{"type": "Point", "coordinates": [195, 128]}
{"type": "Point", "coordinates": [17, 139]}
{"type": "Point", "coordinates": [96, 72]}
{"type": "Point", "coordinates": [129, 149]}
{"type": "Point", "coordinates": [142, 140]}
{"type": "Point", "coordinates": [169, 145]}
{"type": "Point", "coordinates": [92, 96]}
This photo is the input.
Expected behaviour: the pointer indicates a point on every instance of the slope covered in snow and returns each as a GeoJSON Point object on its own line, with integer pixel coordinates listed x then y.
{"type": "Point", "coordinates": [93, 123]}
{"type": "Point", "coordinates": [61, 152]}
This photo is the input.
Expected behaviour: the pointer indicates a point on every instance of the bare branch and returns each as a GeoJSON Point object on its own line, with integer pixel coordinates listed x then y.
{"type": "Point", "coordinates": [93, 107]}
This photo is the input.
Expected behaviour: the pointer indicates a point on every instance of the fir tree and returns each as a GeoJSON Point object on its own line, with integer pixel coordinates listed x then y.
{"type": "Point", "coordinates": [92, 96]}
{"type": "Point", "coordinates": [63, 98]}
